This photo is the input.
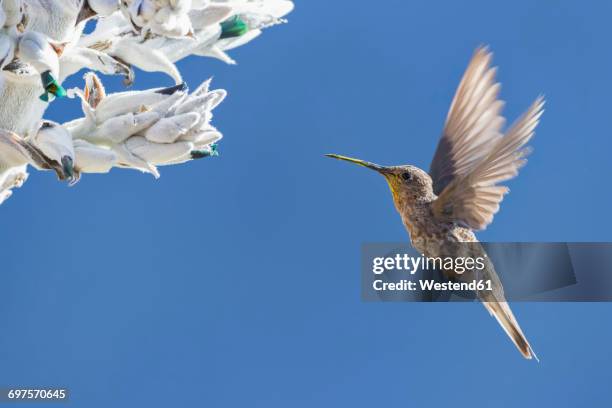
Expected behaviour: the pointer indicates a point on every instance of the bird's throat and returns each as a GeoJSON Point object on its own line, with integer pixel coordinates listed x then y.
{"type": "Point", "coordinates": [416, 214]}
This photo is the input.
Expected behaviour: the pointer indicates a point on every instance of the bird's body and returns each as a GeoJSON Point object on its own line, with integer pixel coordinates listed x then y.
{"type": "Point", "coordinates": [417, 212]}
{"type": "Point", "coordinates": [429, 236]}
{"type": "Point", "coordinates": [460, 194]}
{"type": "Point", "coordinates": [436, 239]}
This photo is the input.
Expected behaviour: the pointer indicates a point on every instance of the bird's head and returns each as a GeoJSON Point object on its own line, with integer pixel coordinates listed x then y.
{"type": "Point", "coordinates": [408, 184]}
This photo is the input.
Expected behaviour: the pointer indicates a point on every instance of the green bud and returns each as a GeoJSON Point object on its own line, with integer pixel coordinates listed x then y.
{"type": "Point", "coordinates": [51, 87]}
{"type": "Point", "coordinates": [200, 154]}
{"type": "Point", "coordinates": [233, 27]}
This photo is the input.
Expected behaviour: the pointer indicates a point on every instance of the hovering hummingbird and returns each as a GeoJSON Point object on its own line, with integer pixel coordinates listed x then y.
{"type": "Point", "coordinates": [461, 193]}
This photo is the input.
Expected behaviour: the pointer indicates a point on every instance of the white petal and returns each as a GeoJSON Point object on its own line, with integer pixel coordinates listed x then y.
{"type": "Point", "coordinates": [118, 129]}
{"type": "Point", "coordinates": [157, 153]}
{"type": "Point", "coordinates": [167, 130]}
{"type": "Point", "coordinates": [216, 52]}
{"type": "Point", "coordinates": [214, 14]}
{"type": "Point", "coordinates": [129, 160]}
{"type": "Point", "coordinates": [93, 159]}
{"type": "Point", "coordinates": [207, 138]}
{"type": "Point", "coordinates": [125, 102]}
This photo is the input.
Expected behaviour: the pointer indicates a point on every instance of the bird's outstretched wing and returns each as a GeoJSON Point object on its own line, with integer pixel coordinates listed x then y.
{"type": "Point", "coordinates": [473, 123]}
{"type": "Point", "coordinates": [473, 198]}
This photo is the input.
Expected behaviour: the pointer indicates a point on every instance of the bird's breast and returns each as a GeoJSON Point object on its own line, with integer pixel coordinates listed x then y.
{"type": "Point", "coordinates": [429, 236]}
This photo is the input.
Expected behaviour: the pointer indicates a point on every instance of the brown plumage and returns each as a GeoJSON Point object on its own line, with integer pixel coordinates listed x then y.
{"type": "Point", "coordinates": [462, 191]}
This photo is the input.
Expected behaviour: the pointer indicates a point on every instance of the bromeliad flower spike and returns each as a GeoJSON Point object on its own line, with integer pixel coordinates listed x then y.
{"type": "Point", "coordinates": [42, 42]}
{"type": "Point", "coordinates": [461, 193]}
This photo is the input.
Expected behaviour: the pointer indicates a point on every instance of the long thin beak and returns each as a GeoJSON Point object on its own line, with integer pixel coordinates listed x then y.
{"type": "Point", "coordinates": [381, 169]}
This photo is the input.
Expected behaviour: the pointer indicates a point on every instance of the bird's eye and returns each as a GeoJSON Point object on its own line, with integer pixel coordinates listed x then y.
{"type": "Point", "coordinates": [407, 176]}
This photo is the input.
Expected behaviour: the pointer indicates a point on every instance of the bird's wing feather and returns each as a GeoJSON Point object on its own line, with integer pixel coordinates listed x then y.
{"type": "Point", "coordinates": [503, 314]}
{"type": "Point", "coordinates": [472, 199]}
{"type": "Point", "coordinates": [473, 124]}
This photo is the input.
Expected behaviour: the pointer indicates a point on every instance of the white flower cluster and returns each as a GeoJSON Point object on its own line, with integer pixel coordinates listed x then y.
{"type": "Point", "coordinates": [42, 42]}
{"type": "Point", "coordinates": [142, 129]}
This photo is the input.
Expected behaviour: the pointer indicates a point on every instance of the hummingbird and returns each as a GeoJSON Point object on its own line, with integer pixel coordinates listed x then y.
{"type": "Point", "coordinates": [462, 191]}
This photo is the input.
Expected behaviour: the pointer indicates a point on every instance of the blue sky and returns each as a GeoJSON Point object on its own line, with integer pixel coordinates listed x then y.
{"type": "Point", "coordinates": [234, 281]}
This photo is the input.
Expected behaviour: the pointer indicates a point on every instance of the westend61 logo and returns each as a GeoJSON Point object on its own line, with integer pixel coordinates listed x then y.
{"type": "Point", "coordinates": [411, 264]}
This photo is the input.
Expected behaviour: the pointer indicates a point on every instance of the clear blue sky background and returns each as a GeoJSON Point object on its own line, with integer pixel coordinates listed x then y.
{"type": "Point", "coordinates": [234, 281]}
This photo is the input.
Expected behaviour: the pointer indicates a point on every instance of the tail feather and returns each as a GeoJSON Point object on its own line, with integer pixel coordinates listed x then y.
{"type": "Point", "coordinates": [504, 316]}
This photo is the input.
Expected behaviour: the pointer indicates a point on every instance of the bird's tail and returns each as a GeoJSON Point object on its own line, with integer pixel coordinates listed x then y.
{"type": "Point", "coordinates": [501, 311]}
